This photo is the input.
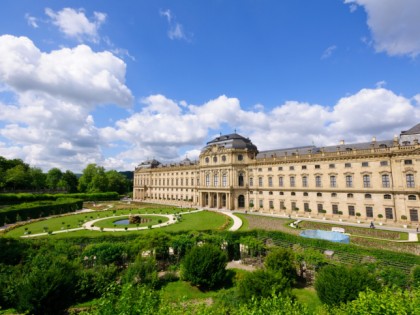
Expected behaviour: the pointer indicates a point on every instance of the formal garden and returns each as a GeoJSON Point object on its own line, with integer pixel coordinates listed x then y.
{"type": "Point", "coordinates": [170, 260]}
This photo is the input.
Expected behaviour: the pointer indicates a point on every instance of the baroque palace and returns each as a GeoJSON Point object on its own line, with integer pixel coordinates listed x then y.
{"type": "Point", "coordinates": [375, 181]}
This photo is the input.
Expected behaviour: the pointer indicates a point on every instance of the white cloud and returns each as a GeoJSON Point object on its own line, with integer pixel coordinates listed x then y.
{"type": "Point", "coordinates": [32, 21]}
{"type": "Point", "coordinates": [395, 25]}
{"type": "Point", "coordinates": [48, 118]}
{"type": "Point", "coordinates": [165, 129]}
{"type": "Point", "coordinates": [176, 30]}
{"type": "Point", "coordinates": [74, 23]}
{"type": "Point", "coordinates": [77, 74]}
{"type": "Point", "coordinates": [328, 52]}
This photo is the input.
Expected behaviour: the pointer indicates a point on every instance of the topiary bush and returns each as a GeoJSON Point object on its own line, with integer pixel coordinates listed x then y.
{"type": "Point", "coordinates": [205, 266]}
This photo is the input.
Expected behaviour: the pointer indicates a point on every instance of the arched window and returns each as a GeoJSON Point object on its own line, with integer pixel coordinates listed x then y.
{"type": "Point", "coordinates": [349, 195]}
{"type": "Point", "coordinates": [207, 180]}
{"type": "Point", "coordinates": [387, 196]}
{"type": "Point", "coordinates": [412, 197]}
{"type": "Point", "coordinates": [216, 180]}
{"type": "Point", "coordinates": [305, 194]}
{"type": "Point", "coordinates": [319, 194]}
{"type": "Point", "coordinates": [368, 196]}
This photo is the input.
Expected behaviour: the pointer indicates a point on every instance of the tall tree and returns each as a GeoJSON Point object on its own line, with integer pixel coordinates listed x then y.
{"type": "Point", "coordinates": [117, 182]}
{"type": "Point", "coordinates": [53, 178]}
{"type": "Point", "coordinates": [17, 177]}
{"type": "Point", "coordinates": [93, 179]}
{"type": "Point", "coordinates": [69, 182]}
{"type": "Point", "coordinates": [38, 178]}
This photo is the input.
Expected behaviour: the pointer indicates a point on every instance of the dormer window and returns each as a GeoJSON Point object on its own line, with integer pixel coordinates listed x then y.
{"type": "Point", "coordinates": [215, 159]}
{"type": "Point", "coordinates": [240, 157]}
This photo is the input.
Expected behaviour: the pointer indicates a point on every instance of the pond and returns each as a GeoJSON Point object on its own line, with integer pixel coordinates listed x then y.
{"type": "Point", "coordinates": [122, 222]}
{"type": "Point", "coordinates": [326, 235]}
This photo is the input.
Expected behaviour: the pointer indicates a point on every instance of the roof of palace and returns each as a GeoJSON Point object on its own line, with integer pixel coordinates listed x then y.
{"type": "Point", "coordinates": [232, 141]}
{"type": "Point", "coordinates": [412, 131]}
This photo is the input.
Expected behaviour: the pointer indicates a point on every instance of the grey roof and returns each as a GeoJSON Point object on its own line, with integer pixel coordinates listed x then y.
{"type": "Point", "coordinates": [232, 141]}
{"type": "Point", "coordinates": [413, 131]}
{"type": "Point", "coordinates": [333, 148]}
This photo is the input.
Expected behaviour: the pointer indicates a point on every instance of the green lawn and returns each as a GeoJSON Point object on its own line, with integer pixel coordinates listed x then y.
{"type": "Point", "coordinates": [308, 297]}
{"type": "Point", "coordinates": [205, 220]}
{"type": "Point", "coordinates": [109, 223]}
{"type": "Point", "coordinates": [245, 223]}
{"type": "Point", "coordinates": [181, 290]}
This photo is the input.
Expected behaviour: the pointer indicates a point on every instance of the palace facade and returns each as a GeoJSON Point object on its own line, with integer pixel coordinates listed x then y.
{"type": "Point", "coordinates": [376, 181]}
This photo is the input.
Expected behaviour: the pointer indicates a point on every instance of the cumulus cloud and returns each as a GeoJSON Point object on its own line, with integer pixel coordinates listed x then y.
{"type": "Point", "coordinates": [49, 116]}
{"type": "Point", "coordinates": [166, 129]}
{"type": "Point", "coordinates": [74, 23]}
{"type": "Point", "coordinates": [395, 25]}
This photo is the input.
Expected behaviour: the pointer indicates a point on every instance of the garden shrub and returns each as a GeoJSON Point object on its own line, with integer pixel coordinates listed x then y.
{"type": "Point", "coordinates": [263, 283]}
{"type": "Point", "coordinates": [38, 209]}
{"type": "Point", "coordinates": [204, 266]}
{"type": "Point", "coordinates": [340, 284]}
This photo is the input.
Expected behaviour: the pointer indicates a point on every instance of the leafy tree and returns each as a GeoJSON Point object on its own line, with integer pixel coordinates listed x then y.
{"type": "Point", "coordinates": [281, 260]}
{"type": "Point", "coordinates": [106, 253]}
{"type": "Point", "coordinates": [337, 284]}
{"type": "Point", "coordinates": [274, 305]}
{"type": "Point", "coordinates": [128, 300]}
{"type": "Point", "coordinates": [93, 179]}
{"type": "Point", "coordinates": [47, 285]}
{"type": "Point", "coordinates": [17, 177]}
{"type": "Point", "coordinates": [393, 277]}
{"type": "Point", "coordinates": [205, 266]}
{"type": "Point", "coordinates": [387, 302]}
{"type": "Point", "coordinates": [38, 178]}
{"type": "Point", "coordinates": [144, 271]}
{"type": "Point", "coordinates": [263, 283]}
{"type": "Point", "coordinates": [54, 176]}
{"type": "Point", "coordinates": [69, 182]}
{"type": "Point", "coordinates": [117, 182]}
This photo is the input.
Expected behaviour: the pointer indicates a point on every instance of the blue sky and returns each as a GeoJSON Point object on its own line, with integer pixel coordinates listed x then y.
{"type": "Point", "coordinates": [118, 82]}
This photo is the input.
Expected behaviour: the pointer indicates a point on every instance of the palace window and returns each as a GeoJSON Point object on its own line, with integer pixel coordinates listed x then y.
{"type": "Point", "coordinates": [214, 159]}
{"type": "Point", "coordinates": [207, 180]}
{"type": "Point", "coordinates": [349, 181]}
{"type": "Point", "coordinates": [387, 196]}
{"type": "Point", "coordinates": [207, 160]}
{"type": "Point", "coordinates": [318, 181]}
{"type": "Point", "coordinates": [333, 181]}
{"type": "Point", "coordinates": [368, 196]}
{"type": "Point", "coordinates": [389, 213]}
{"type": "Point", "coordinates": [385, 181]}
{"type": "Point", "coordinates": [366, 181]}
{"type": "Point", "coordinates": [270, 169]}
{"type": "Point", "coordinates": [241, 179]}
{"type": "Point", "coordinates": [384, 163]}
{"type": "Point", "coordinates": [261, 203]}
{"type": "Point", "coordinates": [240, 157]}
{"type": "Point", "coordinates": [293, 193]}
{"type": "Point", "coordinates": [305, 194]}
{"type": "Point", "coordinates": [304, 167]}
{"type": "Point", "coordinates": [412, 197]}
{"type": "Point", "coordinates": [292, 181]}
{"type": "Point", "coordinates": [408, 162]}
{"type": "Point", "coordinates": [304, 181]}
{"type": "Point", "coordinates": [347, 165]}
{"type": "Point", "coordinates": [270, 182]}
{"type": "Point", "coordinates": [350, 196]}
{"type": "Point", "coordinates": [251, 181]}
{"type": "Point", "coordinates": [317, 166]}
{"type": "Point", "coordinates": [291, 168]}
{"type": "Point", "coordinates": [320, 207]}
{"type": "Point", "coordinates": [335, 209]}
{"type": "Point", "coordinates": [223, 158]}
{"type": "Point", "coordinates": [331, 166]}
{"type": "Point", "coordinates": [270, 192]}
{"type": "Point", "coordinates": [351, 210]}
{"type": "Point", "coordinates": [306, 206]}
{"type": "Point", "coordinates": [281, 182]}
{"type": "Point", "coordinates": [260, 181]}
{"type": "Point", "coordinates": [369, 212]}
{"type": "Point", "coordinates": [216, 180]}
{"type": "Point", "coordinates": [365, 164]}
{"type": "Point", "coordinates": [410, 180]}
{"type": "Point", "coordinates": [319, 194]}
{"type": "Point", "coordinates": [294, 205]}
{"type": "Point", "coordinates": [334, 195]}
{"type": "Point", "coordinates": [271, 204]}
{"type": "Point", "coordinates": [280, 168]}
{"type": "Point", "coordinates": [414, 215]}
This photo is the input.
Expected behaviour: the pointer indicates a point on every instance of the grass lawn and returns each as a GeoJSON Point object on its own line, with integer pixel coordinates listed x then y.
{"type": "Point", "coordinates": [152, 220]}
{"type": "Point", "coordinates": [181, 290]}
{"type": "Point", "coordinates": [308, 297]}
{"type": "Point", "coordinates": [245, 224]}
{"type": "Point", "coordinates": [204, 220]}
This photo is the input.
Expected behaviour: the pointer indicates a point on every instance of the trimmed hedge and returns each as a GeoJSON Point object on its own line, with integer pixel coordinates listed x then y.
{"type": "Point", "coordinates": [38, 209]}
{"type": "Point", "coordinates": [10, 199]}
